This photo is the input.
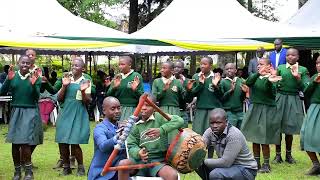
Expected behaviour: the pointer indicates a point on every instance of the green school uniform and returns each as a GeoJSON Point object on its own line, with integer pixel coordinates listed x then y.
{"type": "Point", "coordinates": [309, 136]}
{"type": "Point", "coordinates": [25, 126]}
{"type": "Point", "coordinates": [128, 98]}
{"type": "Point", "coordinates": [156, 147]}
{"type": "Point", "coordinates": [290, 107]}
{"type": "Point", "coordinates": [260, 124]}
{"type": "Point", "coordinates": [169, 100]}
{"type": "Point", "coordinates": [73, 121]}
{"type": "Point", "coordinates": [208, 98]}
{"type": "Point", "coordinates": [233, 101]}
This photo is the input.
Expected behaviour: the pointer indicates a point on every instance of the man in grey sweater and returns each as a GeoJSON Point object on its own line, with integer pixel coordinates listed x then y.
{"type": "Point", "coordinates": [235, 161]}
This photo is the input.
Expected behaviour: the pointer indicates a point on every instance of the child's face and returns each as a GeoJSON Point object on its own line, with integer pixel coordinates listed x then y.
{"type": "Point", "coordinates": [124, 66]}
{"type": "Point", "coordinates": [178, 68]}
{"type": "Point", "coordinates": [263, 64]}
{"type": "Point", "coordinates": [76, 67]}
{"type": "Point", "coordinates": [165, 70]}
{"type": "Point", "coordinates": [230, 70]}
{"type": "Point", "coordinates": [24, 65]}
{"type": "Point", "coordinates": [318, 64]}
{"type": "Point", "coordinates": [146, 111]}
{"type": "Point", "coordinates": [205, 65]}
{"type": "Point", "coordinates": [292, 56]}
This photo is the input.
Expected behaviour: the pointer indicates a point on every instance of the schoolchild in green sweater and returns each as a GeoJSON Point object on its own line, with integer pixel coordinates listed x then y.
{"type": "Point", "coordinates": [205, 87]}
{"type": "Point", "coordinates": [289, 105]}
{"type": "Point", "coordinates": [147, 143]}
{"type": "Point", "coordinates": [127, 87]}
{"type": "Point", "coordinates": [260, 124]}
{"type": "Point", "coordinates": [233, 95]}
{"type": "Point", "coordinates": [178, 74]}
{"type": "Point", "coordinates": [310, 130]}
{"type": "Point", "coordinates": [25, 127]}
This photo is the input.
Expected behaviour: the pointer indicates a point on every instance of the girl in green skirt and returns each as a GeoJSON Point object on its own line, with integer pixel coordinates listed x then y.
{"type": "Point", "coordinates": [169, 92]}
{"type": "Point", "coordinates": [127, 87]}
{"type": "Point", "coordinates": [309, 136]}
{"type": "Point", "coordinates": [205, 87]}
{"type": "Point", "coordinates": [260, 125]}
{"type": "Point", "coordinates": [72, 126]}
{"type": "Point", "coordinates": [25, 127]}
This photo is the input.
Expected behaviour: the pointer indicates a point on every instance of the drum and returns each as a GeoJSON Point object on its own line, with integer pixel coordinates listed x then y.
{"type": "Point", "coordinates": [187, 151]}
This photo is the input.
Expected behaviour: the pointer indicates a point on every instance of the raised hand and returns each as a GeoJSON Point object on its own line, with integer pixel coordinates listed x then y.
{"type": "Point", "coordinates": [153, 132]}
{"type": "Point", "coordinates": [317, 79]}
{"type": "Point", "coordinates": [167, 85]}
{"type": "Point", "coordinates": [244, 88]}
{"type": "Point", "coordinates": [11, 73]}
{"type": "Point", "coordinates": [233, 85]}
{"type": "Point", "coordinates": [216, 79]}
{"type": "Point", "coordinates": [66, 81]}
{"type": "Point", "coordinates": [263, 70]}
{"type": "Point", "coordinates": [190, 84]}
{"type": "Point", "coordinates": [274, 78]}
{"type": "Point", "coordinates": [135, 83]}
{"type": "Point", "coordinates": [117, 81]}
{"type": "Point", "coordinates": [202, 78]}
{"type": "Point", "coordinates": [35, 75]}
{"type": "Point", "coordinates": [273, 71]}
{"type": "Point", "coordinates": [38, 71]}
{"type": "Point", "coordinates": [84, 85]}
{"type": "Point", "coordinates": [107, 82]}
{"type": "Point", "coordinates": [295, 72]}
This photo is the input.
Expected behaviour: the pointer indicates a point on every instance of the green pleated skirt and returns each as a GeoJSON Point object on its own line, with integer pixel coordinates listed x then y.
{"type": "Point", "coordinates": [260, 124]}
{"type": "Point", "coordinates": [310, 131]}
{"type": "Point", "coordinates": [290, 113]}
{"type": "Point", "coordinates": [235, 118]}
{"type": "Point", "coordinates": [25, 126]}
{"type": "Point", "coordinates": [72, 125]}
{"type": "Point", "coordinates": [126, 112]}
{"type": "Point", "coordinates": [172, 110]}
{"type": "Point", "coordinates": [201, 121]}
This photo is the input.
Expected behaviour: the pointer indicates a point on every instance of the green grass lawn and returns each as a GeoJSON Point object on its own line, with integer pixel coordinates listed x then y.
{"type": "Point", "coordinates": [46, 155]}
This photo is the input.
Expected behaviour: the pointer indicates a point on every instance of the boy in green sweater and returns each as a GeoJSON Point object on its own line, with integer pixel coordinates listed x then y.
{"type": "Point", "coordinates": [233, 95]}
{"type": "Point", "coordinates": [127, 87]}
{"type": "Point", "coordinates": [204, 86]}
{"type": "Point", "coordinates": [289, 105]}
{"type": "Point", "coordinates": [147, 143]}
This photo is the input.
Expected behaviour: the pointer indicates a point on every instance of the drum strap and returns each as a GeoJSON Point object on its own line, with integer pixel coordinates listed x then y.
{"type": "Point", "coordinates": [173, 144]}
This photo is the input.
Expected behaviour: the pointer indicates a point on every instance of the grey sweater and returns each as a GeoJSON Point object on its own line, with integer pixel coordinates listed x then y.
{"type": "Point", "coordinates": [231, 149]}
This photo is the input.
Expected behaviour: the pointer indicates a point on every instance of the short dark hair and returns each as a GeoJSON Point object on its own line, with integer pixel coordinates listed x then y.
{"type": "Point", "coordinates": [219, 111]}
{"type": "Point", "coordinates": [208, 58]}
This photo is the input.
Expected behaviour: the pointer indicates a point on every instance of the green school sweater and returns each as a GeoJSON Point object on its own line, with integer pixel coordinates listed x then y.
{"type": "Point", "coordinates": [124, 93]}
{"type": "Point", "coordinates": [312, 91]}
{"type": "Point", "coordinates": [289, 84]}
{"type": "Point", "coordinates": [170, 97]}
{"type": "Point", "coordinates": [232, 101]}
{"type": "Point", "coordinates": [156, 147]}
{"type": "Point", "coordinates": [23, 93]}
{"type": "Point", "coordinates": [262, 90]}
{"type": "Point", "coordinates": [207, 96]}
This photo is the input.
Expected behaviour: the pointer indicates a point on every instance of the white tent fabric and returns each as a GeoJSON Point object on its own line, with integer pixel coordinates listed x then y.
{"type": "Point", "coordinates": [205, 20]}
{"type": "Point", "coordinates": [307, 17]}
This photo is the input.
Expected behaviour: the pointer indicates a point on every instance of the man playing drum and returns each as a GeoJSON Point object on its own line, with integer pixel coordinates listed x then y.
{"type": "Point", "coordinates": [235, 161]}
{"type": "Point", "coordinates": [147, 143]}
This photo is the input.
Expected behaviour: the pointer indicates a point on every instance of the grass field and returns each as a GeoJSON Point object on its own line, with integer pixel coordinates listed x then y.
{"type": "Point", "coordinates": [46, 155]}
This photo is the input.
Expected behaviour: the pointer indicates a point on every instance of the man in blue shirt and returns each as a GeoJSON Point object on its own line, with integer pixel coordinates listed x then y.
{"type": "Point", "coordinates": [105, 137]}
{"type": "Point", "coordinates": [278, 56]}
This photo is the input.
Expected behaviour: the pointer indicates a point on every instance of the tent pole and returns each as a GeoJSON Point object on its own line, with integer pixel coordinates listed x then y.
{"type": "Point", "coordinates": [90, 61]}
{"type": "Point", "coordinates": [62, 63]}
{"type": "Point", "coordinates": [155, 67]}
{"type": "Point", "coordinates": [236, 56]}
{"type": "Point", "coordinates": [109, 65]}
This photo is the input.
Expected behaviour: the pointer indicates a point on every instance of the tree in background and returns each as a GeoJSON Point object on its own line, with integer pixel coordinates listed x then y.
{"type": "Point", "coordinates": [261, 8]}
{"type": "Point", "coordinates": [91, 10]}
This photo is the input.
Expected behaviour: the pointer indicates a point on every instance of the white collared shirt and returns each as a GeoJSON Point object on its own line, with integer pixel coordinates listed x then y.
{"type": "Point", "coordinates": [211, 74]}
{"type": "Point", "coordinates": [149, 119]}
{"type": "Point", "coordinates": [166, 80]}
{"type": "Point", "coordinates": [232, 80]}
{"type": "Point", "coordinates": [123, 76]}
{"type": "Point", "coordinates": [265, 76]}
{"type": "Point", "coordinates": [290, 66]}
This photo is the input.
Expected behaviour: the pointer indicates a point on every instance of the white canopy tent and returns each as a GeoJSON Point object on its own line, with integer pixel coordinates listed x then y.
{"type": "Point", "coordinates": [205, 20]}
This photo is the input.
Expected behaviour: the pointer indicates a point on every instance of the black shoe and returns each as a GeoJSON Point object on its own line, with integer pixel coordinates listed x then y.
{"type": "Point", "coordinates": [315, 170]}
{"type": "Point", "coordinates": [289, 159]}
{"type": "Point", "coordinates": [17, 175]}
{"type": "Point", "coordinates": [66, 171]}
{"type": "Point", "coordinates": [265, 168]}
{"type": "Point", "coordinates": [277, 159]}
{"type": "Point", "coordinates": [81, 171]}
{"type": "Point", "coordinates": [58, 165]}
{"type": "Point", "coordinates": [28, 175]}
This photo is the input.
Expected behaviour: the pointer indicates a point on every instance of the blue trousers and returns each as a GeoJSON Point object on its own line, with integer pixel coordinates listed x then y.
{"type": "Point", "coordinates": [235, 172]}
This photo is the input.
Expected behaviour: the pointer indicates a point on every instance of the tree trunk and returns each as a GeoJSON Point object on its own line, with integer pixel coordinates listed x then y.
{"type": "Point", "coordinates": [193, 65]}
{"type": "Point", "coordinates": [133, 16]}
{"type": "Point", "coordinates": [250, 6]}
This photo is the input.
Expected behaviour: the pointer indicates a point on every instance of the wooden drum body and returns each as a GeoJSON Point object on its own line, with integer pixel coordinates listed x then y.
{"type": "Point", "coordinates": [187, 151]}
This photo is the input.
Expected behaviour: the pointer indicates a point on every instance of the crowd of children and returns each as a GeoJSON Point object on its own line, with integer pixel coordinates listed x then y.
{"type": "Point", "coordinates": [275, 107]}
